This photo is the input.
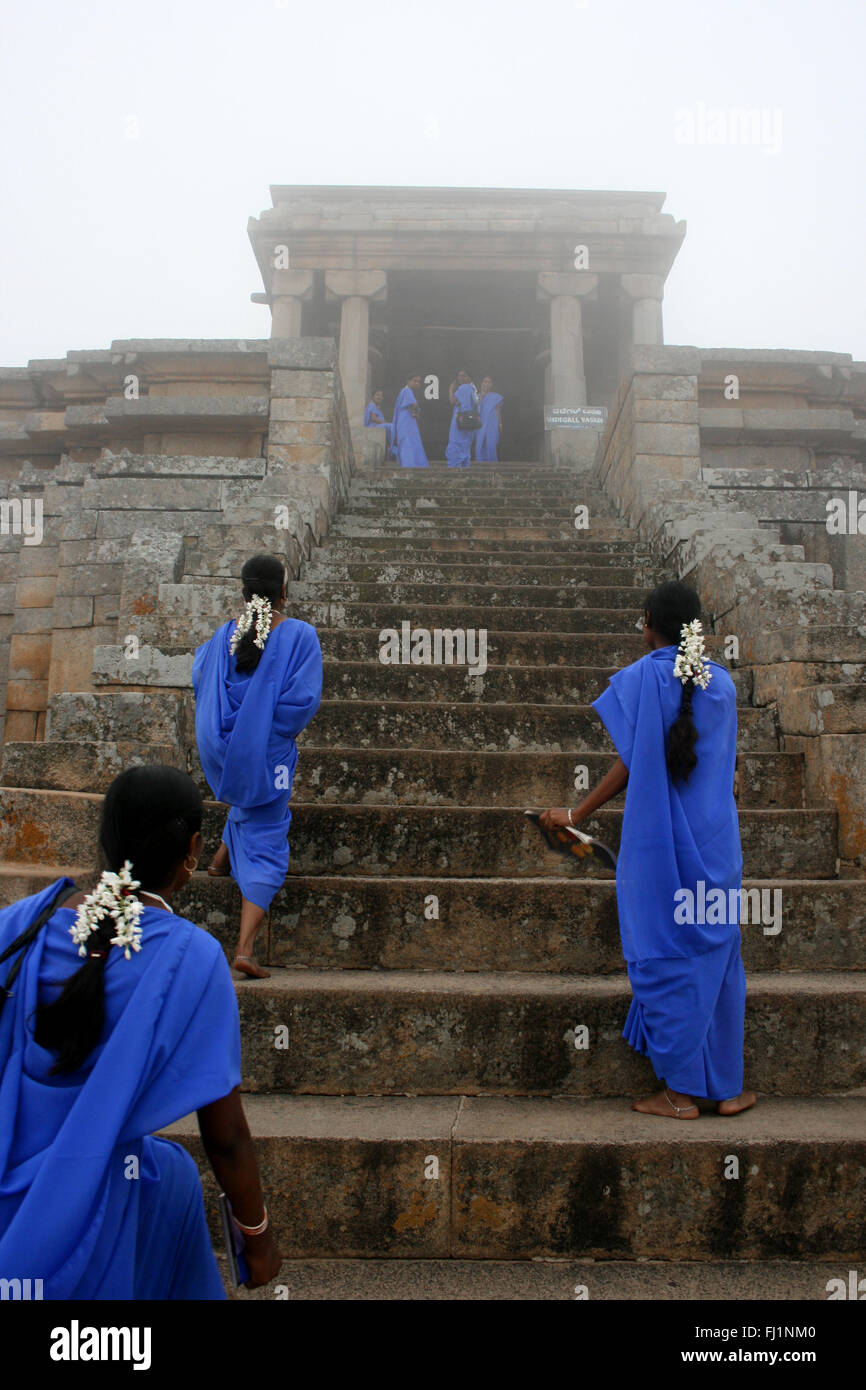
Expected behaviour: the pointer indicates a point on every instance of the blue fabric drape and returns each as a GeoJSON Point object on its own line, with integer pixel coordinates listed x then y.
{"type": "Point", "coordinates": [487, 438]}
{"type": "Point", "coordinates": [687, 977]}
{"type": "Point", "coordinates": [373, 417]}
{"type": "Point", "coordinates": [73, 1212]}
{"type": "Point", "coordinates": [246, 726]}
{"type": "Point", "coordinates": [406, 436]}
{"type": "Point", "coordinates": [458, 450]}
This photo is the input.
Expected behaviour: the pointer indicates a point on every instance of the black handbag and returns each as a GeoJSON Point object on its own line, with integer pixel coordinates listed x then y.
{"type": "Point", "coordinates": [27, 937]}
{"type": "Point", "coordinates": [469, 419]}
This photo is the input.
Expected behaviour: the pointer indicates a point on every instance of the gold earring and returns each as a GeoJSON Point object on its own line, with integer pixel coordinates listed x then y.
{"type": "Point", "coordinates": [189, 870]}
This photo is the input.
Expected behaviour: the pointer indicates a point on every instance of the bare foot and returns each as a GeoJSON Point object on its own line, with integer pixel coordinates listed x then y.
{"type": "Point", "coordinates": [669, 1104]}
{"type": "Point", "coordinates": [744, 1101]}
{"type": "Point", "coordinates": [219, 866]}
{"type": "Point", "coordinates": [248, 966]}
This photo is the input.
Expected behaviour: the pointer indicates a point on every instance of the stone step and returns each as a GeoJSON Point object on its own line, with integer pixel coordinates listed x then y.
{"type": "Point", "coordinates": [547, 1179]}
{"type": "Point", "coordinates": [355, 527]}
{"type": "Point", "coordinates": [555, 685]}
{"type": "Point", "coordinates": [379, 615]}
{"type": "Point", "coordinates": [492, 596]}
{"type": "Point", "coordinates": [363, 1279]}
{"type": "Point", "coordinates": [434, 777]}
{"type": "Point", "coordinates": [506, 512]}
{"type": "Point", "coordinates": [578, 573]}
{"type": "Point", "coordinates": [129, 465]}
{"type": "Point", "coordinates": [141, 717]}
{"type": "Point", "coordinates": [169, 664]}
{"type": "Point", "coordinates": [566, 925]}
{"type": "Point", "coordinates": [349, 777]}
{"type": "Point", "coordinates": [457, 842]}
{"type": "Point", "coordinates": [78, 766]}
{"type": "Point", "coordinates": [195, 617]}
{"type": "Point", "coordinates": [515, 649]}
{"type": "Point", "coordinates": [563, 925]}
{"type": "Point", "coordinates": [578, 547]}
{"type": "Point", "coordinates": [490, 728]}
{"type": "Point", "coordinates": [472, 1033]}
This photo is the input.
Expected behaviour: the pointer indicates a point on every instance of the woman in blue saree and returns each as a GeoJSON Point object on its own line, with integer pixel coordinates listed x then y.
{"type": "Point", "coordinates": [464, 398]}
{"type": "Point", "coordinates": [257, 683]}
{"type": "Point", "coordinates": [141, 1033]}
{"type": "Point", "coordinates": [405, 434]}
{"type": "Point", "coordinates": [374, 418]}
{"type": "Point", "coordinates": [673, 719]}
{"type": "Point", "coordinates": [490, 410]}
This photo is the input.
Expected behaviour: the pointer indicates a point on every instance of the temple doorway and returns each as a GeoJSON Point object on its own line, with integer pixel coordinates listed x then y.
{"type": "Point", "coordinates": [491, 323]}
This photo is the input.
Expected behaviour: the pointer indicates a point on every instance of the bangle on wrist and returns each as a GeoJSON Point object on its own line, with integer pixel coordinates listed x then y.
{"type": "Point", "coordinates": [570, 821]}
{"type": "Point", "coordinates": [253, 1230]}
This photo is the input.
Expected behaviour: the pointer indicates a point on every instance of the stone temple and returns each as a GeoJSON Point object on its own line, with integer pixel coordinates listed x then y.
{"type": "Point", "coordinates": [455, 1088]}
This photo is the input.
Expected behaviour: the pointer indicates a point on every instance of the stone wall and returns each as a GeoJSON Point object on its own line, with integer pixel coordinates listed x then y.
{"type": "Point", "coordinates": [142, 459]}
{"type": "Point", "coordinates": [732, 494]}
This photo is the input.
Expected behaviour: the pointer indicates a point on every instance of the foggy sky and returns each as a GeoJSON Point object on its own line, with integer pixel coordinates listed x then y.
{"type": "Point", "coordinates": [138, 138]}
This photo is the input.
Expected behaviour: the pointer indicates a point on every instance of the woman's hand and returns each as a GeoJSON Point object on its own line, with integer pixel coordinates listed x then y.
{"type": "Point", "coordinates": [263, 1259]}
{"type": "Point", "coordinates": [554, 818]}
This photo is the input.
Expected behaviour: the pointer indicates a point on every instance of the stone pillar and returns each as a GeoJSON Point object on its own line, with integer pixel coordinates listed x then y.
{"type": "Point", "coordinates": [567, 381]}
{"type": "Point", "coordinates": [646, 293]}
{"type": "Point", "coordinates": [355, 288]}
{"type": "Point", "coordinates": [289, 288]}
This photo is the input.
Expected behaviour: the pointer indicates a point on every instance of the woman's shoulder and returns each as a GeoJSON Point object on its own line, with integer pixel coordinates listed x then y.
{"type": "Point", "coordinates": [201, 949]}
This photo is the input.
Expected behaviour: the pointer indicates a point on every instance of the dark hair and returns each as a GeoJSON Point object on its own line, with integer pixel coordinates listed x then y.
{"type": "Point", "coordinates": [263, 575]}
{"type": "Point", "coordinates": [148, 817]}
{"type": "Point", "coordinates": [668, 607]}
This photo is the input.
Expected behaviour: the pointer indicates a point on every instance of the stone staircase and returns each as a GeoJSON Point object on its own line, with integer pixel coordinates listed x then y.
{"type": "Point", "coordinates": [414, 1072]}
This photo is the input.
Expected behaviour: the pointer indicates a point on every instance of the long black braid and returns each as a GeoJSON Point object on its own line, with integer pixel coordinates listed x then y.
{"type": "Point", "coordinates": [668, 608]}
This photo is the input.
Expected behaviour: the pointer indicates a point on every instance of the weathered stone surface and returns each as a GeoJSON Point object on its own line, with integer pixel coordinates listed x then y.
{"type": "Point", "coordinates": [137, 717]}
{"type": "Point", "coordinates": [549, 1178]}
{"type": "Point", "coordinates": [300, 354]}
{"type": "Point", "coordinates": [382, 1033]}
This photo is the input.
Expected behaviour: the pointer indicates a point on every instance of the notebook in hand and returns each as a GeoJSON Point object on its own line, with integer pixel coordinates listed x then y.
{"type": "Point", "coordinates": [234, 1243]}
{"type": "Point", "coordinates": [567, 840]}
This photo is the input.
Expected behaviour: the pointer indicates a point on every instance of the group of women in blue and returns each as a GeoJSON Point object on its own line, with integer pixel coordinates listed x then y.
{"type": "Point", "coordinates": [118, 1015]}
{"type": "Point", "coordinates": [403, 435]}
{"type": "Point", "coordinates": [96, 1056]}
{"type": "Point", "coordinates": [676, 741]}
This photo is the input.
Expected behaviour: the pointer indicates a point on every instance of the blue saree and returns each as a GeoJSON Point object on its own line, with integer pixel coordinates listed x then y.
{"type": "Point", "coordinates": [487, 438]}
{"type": "Point", "coordinates": [245, 729]}
{"type": "Point", "coordinates": [458, 450]}
{"type": "Point", "coordinates": [686, 974]}
{"type": "Point", "coordinates": [406, 436]}
{"type": "Point", "coordinates": [90, 1202]}
{"type": "Point", "coordinates": [373, 418]}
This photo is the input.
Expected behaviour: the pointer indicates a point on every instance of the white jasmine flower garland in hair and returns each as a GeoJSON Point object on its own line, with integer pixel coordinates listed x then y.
{"type": "Point", "coordinates": [113, 896]}
{"type": "Point", "coordinates": [691, 664]}
{"type": "Point", "coordinates": [257, 607]}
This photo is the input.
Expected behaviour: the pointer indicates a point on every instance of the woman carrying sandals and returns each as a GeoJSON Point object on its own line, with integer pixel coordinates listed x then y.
{"type": "Point", "coordinates": [257, 683]}
{"type": "Point", "coordinates": [118, 1018]}
{"type": "Point", "coordinates": [672, 716]}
